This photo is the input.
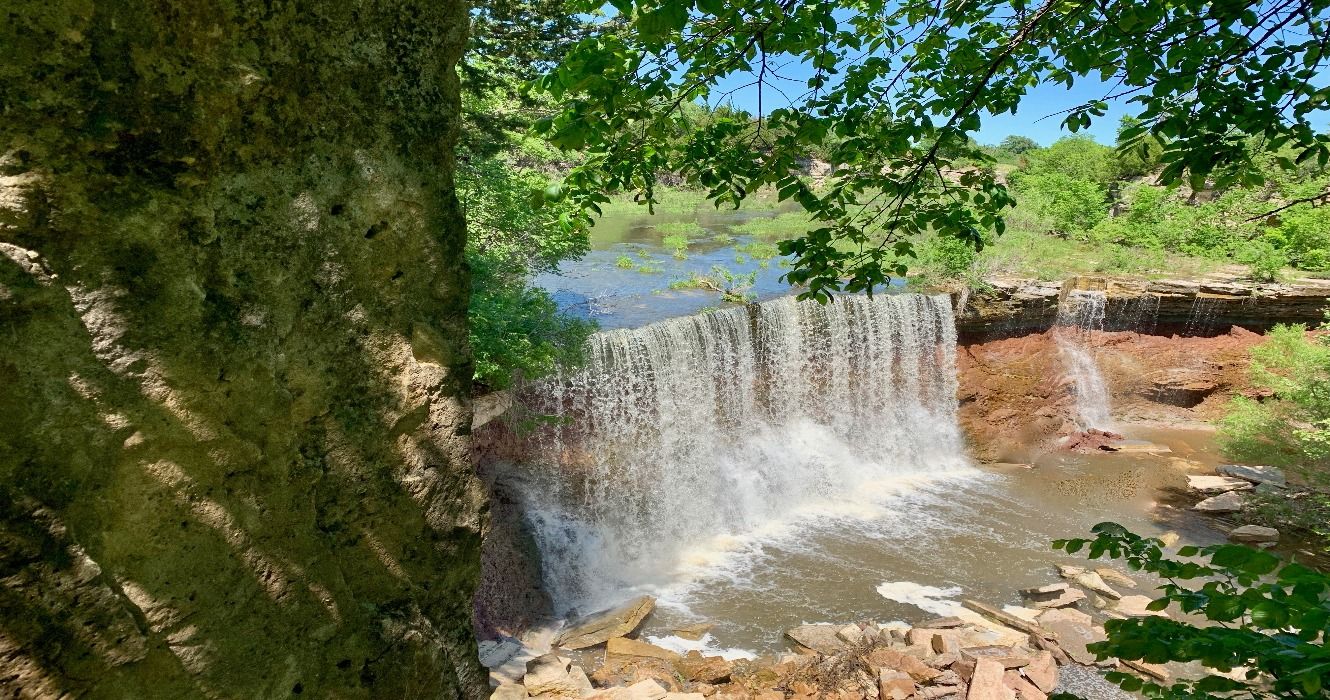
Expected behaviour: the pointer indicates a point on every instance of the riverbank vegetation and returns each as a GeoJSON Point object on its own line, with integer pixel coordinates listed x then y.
{"type": "Point", "coordinates": [1286, 423]}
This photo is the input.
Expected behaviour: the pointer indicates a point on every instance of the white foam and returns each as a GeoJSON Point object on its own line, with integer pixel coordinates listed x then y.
{"type": "Point", "coordinates": [927, 598]}
{"type": "Point", "coordinates": [707, 646]}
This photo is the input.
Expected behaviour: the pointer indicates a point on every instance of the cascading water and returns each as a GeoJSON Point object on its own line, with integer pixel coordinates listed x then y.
{"type": "Point", "coordinates": [1081, 314]}
{"type": "Point", "coordinates": [680, 435]}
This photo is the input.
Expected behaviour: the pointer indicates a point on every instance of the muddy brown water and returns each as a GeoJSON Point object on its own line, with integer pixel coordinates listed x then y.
{"type": "Point", "coordinates": [982, 535]}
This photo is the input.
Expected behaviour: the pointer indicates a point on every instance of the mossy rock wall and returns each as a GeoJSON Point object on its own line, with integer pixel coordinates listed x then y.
{"type": "Point", "coordinates": [233, 425]}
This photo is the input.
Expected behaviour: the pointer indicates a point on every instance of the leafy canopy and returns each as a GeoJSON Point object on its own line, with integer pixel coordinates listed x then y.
{"type": "Point", "coordinates": [896, 91]}
{"type": "Point", "coordinates": [1263, 615]}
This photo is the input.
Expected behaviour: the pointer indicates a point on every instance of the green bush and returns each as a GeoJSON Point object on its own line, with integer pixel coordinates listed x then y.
{"type": "Point", "coordinates": [945, 256]}
{"type": "Point", "coordinates": [1064, 205]}
{"type": "Point", "coordinates": [1264, 260]}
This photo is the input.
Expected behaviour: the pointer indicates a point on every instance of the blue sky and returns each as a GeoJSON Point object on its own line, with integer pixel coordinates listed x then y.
{"type": "Point", "coordinates": [1031, 119]}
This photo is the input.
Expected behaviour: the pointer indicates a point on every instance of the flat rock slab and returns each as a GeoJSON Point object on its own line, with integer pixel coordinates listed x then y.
{"type": "Point", "coordinates": [601, 627]}
{"type": "Point", "coordinates": [623, 646]}
{"type": "Point", "coordinates": [497, 652]}
{"type": "Point", "coordinates": [1204, 483]}
{"type": "Point", "coordinates": [820, 638]}
{"type": "Point", "coordinates": [987, 682]}
{"type": "Point", "coordinates": [1254, 474]}
{"type": "Point", "coordinates": [1229, 502]}
{"type": "Point", "coordinates": [1254, 534]}
{"type": "Point", "coordinates": [1115, 577]}
{"type": "Point", "coordinates": [1073, 636]}
{"type": "Point", "coordinates": [1135, 606]}
{"type": "Point", "coordinates": [1061, 599]}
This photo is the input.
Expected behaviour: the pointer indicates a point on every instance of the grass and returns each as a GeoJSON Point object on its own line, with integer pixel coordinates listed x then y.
{"type": "Point", "coordinates": [1022, 253]}
{"type": "Point", "coordinates": [777, 228]}
{"type": "Point", "coordinates": [624, 263]}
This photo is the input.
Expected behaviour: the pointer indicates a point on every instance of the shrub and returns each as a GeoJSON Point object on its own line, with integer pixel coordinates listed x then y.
{"type": "Point", "coordinates": [1065, 205]}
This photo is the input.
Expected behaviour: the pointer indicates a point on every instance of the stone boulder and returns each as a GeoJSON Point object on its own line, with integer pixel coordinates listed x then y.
{"type": "Point", "coordinates": [895, 685]}
{"type": "Point", "coordinates": [602, 626]}
{"type": "Point", "coordinates": [704, 669]}
{"type": "Point", "coordinates": [1254, 474]}
{"type": "Point", "coordinates": [1056, 595]}
{"type": "Point", "coordinates": [548, 674]}
{"type": "Point", "coordinates": [822, 639]}
{"type": "Point", "coordinates": [1254, 534]}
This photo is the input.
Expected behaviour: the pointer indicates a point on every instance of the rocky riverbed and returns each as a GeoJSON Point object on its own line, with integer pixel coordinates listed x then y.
{"type": "Point", "coordinates": [978, 652]}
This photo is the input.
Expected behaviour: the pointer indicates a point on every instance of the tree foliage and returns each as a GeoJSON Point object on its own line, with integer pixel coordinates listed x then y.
{"type": "Point", "coordinates": [1266, 618]}
{"type": "Point", "coordinates": [901, 86]}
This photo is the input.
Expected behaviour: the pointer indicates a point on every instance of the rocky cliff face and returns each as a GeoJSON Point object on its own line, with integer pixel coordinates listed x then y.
{"type": "Point", "coordinates": [234, 456]}
{"type": "Point", "coordinates": [1012, 307]}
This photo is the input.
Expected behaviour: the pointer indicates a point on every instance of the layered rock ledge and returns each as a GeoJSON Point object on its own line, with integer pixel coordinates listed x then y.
{"type": "Point", "coordinates": [1012, 306]}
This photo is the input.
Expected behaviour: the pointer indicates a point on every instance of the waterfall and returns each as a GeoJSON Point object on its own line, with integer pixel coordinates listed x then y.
{"type": "Point", "coordinates": [690, 432]}
{"type": "Point", "coordinates": [1078, 317]}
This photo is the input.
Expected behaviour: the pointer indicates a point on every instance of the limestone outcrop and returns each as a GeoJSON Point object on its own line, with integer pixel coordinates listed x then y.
{"type": "Point", "coordinates": [1008, 307]}
{"type": "Point", "coordinates": [234, 423]}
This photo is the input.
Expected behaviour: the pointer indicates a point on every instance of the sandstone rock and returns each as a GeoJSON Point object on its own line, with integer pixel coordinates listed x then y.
{"type": "Point", "coordinates": [1135, 606]}
{"type": "Point", "coordinates": [580, 681]}
{"type": "Point", "coordinates": [1170, 538]}
{"type": "Point", "coordinates": [1058, 595]}
{"type": "Point", "coordinates": [819, 638]}
{"type": "Point", "coordinates": [646, 690]}
{"type": "Point", "coordinates": [509, 691]}
{"type": "Point", "coordinates": [693, 632]}
{"type": "Point", "coordinates": [1254, 474]}
{"type": "Point", "coordinates": [1007, 656]}
{"type": "Point", "coordinates": [548, 674]}
{"type": "Point", "coordinates": [945, 644]}
{"type": "Point", "coordinates": [850, 634]}
{"type": "Point", "coordinates": [1254, 534]}
{"type": "Point", "coordinates": [1068, 571]}
{"type": "Point", "coordinates": [710, 669]}
{"type": "Point", "coordinates": [1228, 502]}
{"type": "Point", "coordinates": [769, 695]}
{"type": "Point", "coordinates": [942, 623]}
{"type": "Point", "coordinates": [892, 659]}
{"type": "Point", "coordinates": [623, 646]}
{"type": "Point", "coordinates": [894, 685]}
{"type": "Point", "coordinates": [1204, 483]}
{"type": "Point", "coordinates": [693, 696]}
{"type": "Point", "coordinates": [987, 682]}
{"type": "Point", "coordinates": [1024, 689]}
{"type": "Point", "coordinates": [1115, 577]}
{"type": "Point", "coordinates": [1074, 631]}
{"type": "Point", "coordinates": [601, 627]}
{"type": "Point", "coordinates": [1092, 581]}
{"type": "Point", "coordinates": [948, 678]}
{"type": "Point", "coordinates": [1139, 447]}
{"type": "Point", "coordinates": [1042, 671]}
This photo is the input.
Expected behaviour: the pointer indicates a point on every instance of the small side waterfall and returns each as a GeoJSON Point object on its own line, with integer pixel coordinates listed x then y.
{"type": "Point", "coordinates": [1081, 314]}
{"type": "Point", "coordinates": [682, 435]}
